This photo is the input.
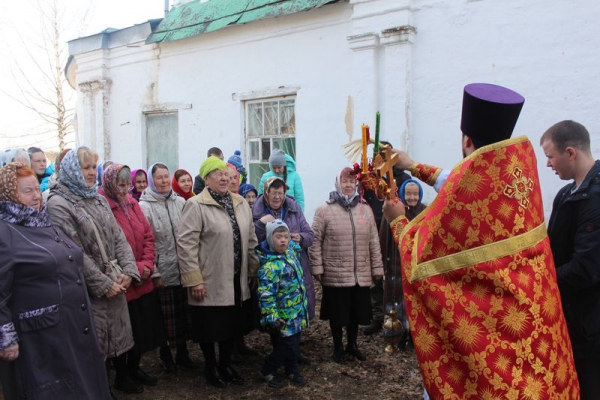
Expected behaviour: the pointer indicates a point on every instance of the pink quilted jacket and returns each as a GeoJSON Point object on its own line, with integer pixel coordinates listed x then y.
{"type": "Point", "coordinates": [346, 247]}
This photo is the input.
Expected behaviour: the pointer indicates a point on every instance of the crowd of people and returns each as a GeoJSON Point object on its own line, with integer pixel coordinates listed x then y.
{"type": "Point", "coordinates": [100, 264]}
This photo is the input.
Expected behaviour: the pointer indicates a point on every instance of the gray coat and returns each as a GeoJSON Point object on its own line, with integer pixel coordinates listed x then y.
{"type": "Point", "coordinates": [163, 216]}
{"type": "Point", "coordinates": [111, 316]}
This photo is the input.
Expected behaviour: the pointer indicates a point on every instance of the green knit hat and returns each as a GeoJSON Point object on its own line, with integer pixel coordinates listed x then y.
{"type": "Point", "coordinates": [211, 164]}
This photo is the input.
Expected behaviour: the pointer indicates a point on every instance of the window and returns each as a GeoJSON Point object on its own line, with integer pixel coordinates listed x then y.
{"type": "Point", "coordinates": [162, 139]}
{"type": "Point", "coordinates": [270, 124]}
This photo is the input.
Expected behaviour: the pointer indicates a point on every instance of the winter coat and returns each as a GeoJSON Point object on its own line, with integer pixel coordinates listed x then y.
{"type": "Point", "coordinates": [163, 217]}
{"type": "Point", "coordinates": [574, 231]}
{"type": "Point", "coordinates": [281, 290]}
{"type": "Point", "coordinates": [141, 239]}
{"type": "Point", "coordinates": [111, 316]}
{"type": "Point", "coordinates": [44, 296]}
{"type": "Point", "coordinates": [198, 184]}
{"type": "Point", "coordinates": [294, 218]}
{"type": "Point", "coordinates": [346, 247]}
{"type": "Point", "coordinates": [293, 181]}
{"type": "Point", "coordinates": [205, 248]}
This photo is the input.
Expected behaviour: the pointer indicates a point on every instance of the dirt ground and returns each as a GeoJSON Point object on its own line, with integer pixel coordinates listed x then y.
{"type": "Point", "coordinates": [382, 376]}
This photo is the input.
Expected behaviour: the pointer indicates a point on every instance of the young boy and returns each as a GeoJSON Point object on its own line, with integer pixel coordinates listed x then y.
{"type": "Point", "coordinates": [283, 302]}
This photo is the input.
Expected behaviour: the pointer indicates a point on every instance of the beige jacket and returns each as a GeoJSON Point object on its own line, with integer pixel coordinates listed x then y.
{"type": "Point", "coordinates": [346, 246]}
{"type": "Point", "coordinates": [205, 248]}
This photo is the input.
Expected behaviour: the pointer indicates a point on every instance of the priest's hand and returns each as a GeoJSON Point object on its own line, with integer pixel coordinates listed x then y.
{"type": "Point", "coordinates": [403, 161]}
{"type": "Point", "coordinates": [392, 209]}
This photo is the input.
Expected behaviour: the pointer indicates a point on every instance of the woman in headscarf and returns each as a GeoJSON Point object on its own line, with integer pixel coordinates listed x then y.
{"type": "Point", "coordinates": [344, 256]}
{"type": "Point", "coordinates": [162, 208]}
{"type": "Point", "coordinates": [109, 267]}
{"type": "Point", "coordinates": [144, 311]}
{"type": "Point", "coordinates": [234, 178]}
{"type": "Point", "coordinates": [139, 183]}
{"type": "Point", "coordinates": [46, 326]}
{"type": "Point", "coordinates": [182, 184]}
{"type": "Point", "coordinates": [216, 252]}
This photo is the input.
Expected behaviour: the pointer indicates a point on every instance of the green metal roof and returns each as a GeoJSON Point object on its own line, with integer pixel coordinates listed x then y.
{"type": "Point", "coordinates": [196, 18]}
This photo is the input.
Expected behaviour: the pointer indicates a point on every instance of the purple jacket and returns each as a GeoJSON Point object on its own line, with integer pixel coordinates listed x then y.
{"type": "Point", "coordinates": [297, 223]}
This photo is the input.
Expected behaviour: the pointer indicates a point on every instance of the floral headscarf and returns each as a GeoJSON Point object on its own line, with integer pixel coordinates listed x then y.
{"type": "Point", "coordinates": [177, 189]}
{"type": "Point", "coordinates": [8, 182]}
{"type": "Point", "coordinates": [134, 192]}
{"type": "Point", "coordinates": [110, 188]}
{"type": "Point", "coordinates": [11, 208]}
{"type": "Point", "coordinates": [72, 177]}
{"type": "Point", "coordinates": [338, 197]}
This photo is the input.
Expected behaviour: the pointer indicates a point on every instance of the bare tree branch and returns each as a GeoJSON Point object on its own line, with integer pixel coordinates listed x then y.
{"type": "Point", "coordinates": [39, 75]}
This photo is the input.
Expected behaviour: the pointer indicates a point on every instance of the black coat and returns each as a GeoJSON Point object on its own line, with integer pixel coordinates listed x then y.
{"type": "Point", "coordinates": [198, 184]}
{"type": "Point", "coordinates": [574, 230]}
{"type": "Point", "coordinates": [43, 293]}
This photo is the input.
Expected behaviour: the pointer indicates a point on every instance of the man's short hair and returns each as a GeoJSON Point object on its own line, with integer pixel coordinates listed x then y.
{"type": "Point", "coordinates": [567, 133]}
{"type": "Point", "coordinates": [214, 151]}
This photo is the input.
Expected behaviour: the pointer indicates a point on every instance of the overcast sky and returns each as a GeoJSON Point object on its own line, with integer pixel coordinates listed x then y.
{"type": "Point", "coordinates": [20, 30]}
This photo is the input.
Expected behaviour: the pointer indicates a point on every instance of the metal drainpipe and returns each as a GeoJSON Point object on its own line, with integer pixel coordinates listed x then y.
{"type": "Point", "coordinates": [166, 7]}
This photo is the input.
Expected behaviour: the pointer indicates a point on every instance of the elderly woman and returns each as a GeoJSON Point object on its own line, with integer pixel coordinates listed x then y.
{"type": "Point", "coordinates": [144, 311]}
{"type": "Point", "coordinates": [216, 252]}
{"type": "Point", "coordinates": [234, 178]}
{"type": "Point", "coordinates": [163, 207]}
{"type": "Point", "coordinates": [139, 183]}
{"type": "Point", "coordinates": [46, 326]}
{"type": "Point", "coordinates": [76, 207]}
{"type": "Point", "coordinates": [182, 184]}
{"type": "Point", "coordinates": [344, 257]}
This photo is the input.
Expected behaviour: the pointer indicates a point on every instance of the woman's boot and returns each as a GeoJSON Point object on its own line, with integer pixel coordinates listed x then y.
{"type": "Point", "coordinates": [352, 348]}
{"type": "Point", "coordinates": [166, 360]}
{"type": "Point", "coordinates": [183, 358]}
{"type": "Point", "coordinates": [338, 347]}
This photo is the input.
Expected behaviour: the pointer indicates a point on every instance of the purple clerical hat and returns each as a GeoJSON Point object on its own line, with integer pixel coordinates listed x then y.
{"type": "Point", "coordinates": [489, 113]}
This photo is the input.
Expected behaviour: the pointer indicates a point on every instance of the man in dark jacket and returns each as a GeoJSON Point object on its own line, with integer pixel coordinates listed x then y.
{"type": "Point", "coordinates": [574, 230]}
{"type": "Point", "coordinates": [198, 181]}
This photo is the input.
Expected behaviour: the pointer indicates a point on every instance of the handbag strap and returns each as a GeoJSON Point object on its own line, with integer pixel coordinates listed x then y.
{"type": "Point", "coordinates": [105, 259]}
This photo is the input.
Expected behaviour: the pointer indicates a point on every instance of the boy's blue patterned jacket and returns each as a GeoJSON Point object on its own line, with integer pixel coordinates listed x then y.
{"type": "Point", "coordinates": [281, 290]}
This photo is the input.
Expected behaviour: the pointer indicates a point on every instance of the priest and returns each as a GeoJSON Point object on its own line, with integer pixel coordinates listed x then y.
{"type": "Point", "coordinates": [477, 270]}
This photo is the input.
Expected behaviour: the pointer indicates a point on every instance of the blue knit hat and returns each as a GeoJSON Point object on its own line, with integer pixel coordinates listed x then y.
{"type": "Point", "coordinates": [245, 188]}
{"type": "Point", "coordinates": [236, 159]}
